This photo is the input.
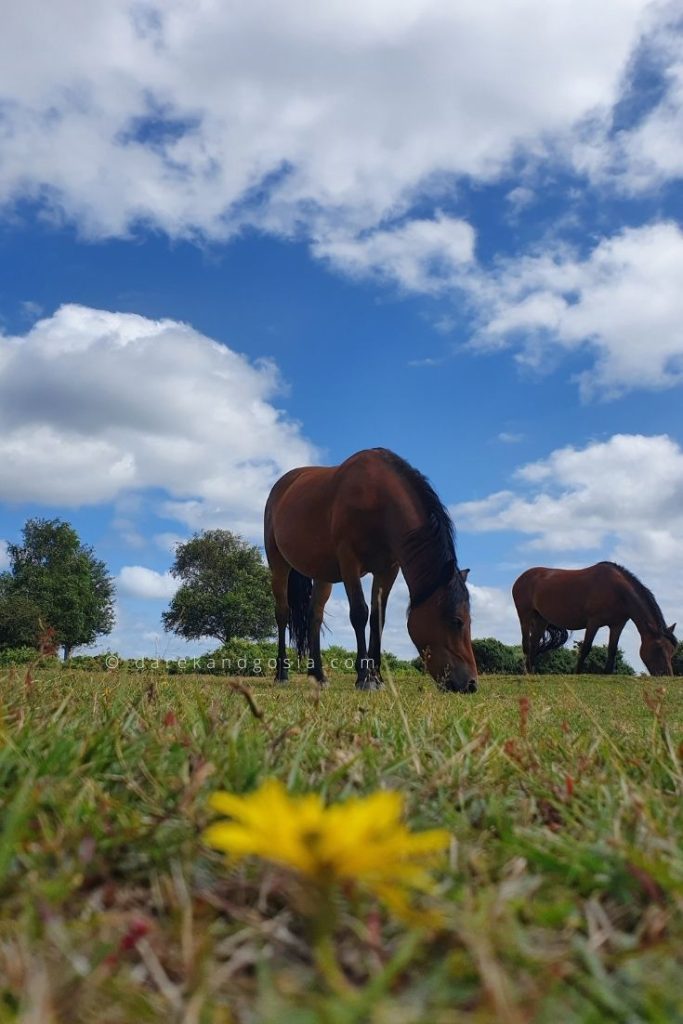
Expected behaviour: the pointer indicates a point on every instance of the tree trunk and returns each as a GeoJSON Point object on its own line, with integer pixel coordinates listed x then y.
{"type": "Point", "coordinates": [67, 652]}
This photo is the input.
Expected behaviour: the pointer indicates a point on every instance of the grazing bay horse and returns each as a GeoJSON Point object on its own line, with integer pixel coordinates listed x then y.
{"type": "Point", "coordinates": [550, 602]}
{"type": "Point", "coordinates": [372, 514]}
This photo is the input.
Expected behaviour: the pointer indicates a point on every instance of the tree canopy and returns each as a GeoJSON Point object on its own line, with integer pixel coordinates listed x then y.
{"type": "Point", "coordinates": [19, 616]}
{"type": "Point", "coordinates": [54, 582]}
{"type": "Point", "coordinates": [224, 590]}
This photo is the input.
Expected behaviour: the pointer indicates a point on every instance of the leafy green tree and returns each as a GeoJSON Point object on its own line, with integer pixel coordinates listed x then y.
{"type": "Point", "coordinates": [19, 617]}
{"type": "Point", "coordinates": [224, 591]}
{"type": "Point", "coordinates": [54, 573]}
{"type": "Point", "coordinates": [677, 660]}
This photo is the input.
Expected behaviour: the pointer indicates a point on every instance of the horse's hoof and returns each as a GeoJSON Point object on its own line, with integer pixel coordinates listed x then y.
{"type": "Point", "coordinates": [371, 683]}
{"type": "Point", "coordinates": [282, 682]}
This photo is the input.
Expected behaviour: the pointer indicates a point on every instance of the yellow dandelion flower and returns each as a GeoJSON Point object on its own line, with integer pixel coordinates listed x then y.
{"type": "Point", "coordinates": [362, 840]}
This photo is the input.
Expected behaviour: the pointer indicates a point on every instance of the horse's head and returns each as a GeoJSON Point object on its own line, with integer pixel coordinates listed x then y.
{"type": "Point", "coordinates": [440, 628]}
{"type": "Point", "coordinates": [657, 650]}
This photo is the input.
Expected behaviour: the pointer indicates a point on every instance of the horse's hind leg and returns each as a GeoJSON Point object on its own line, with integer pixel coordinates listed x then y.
{"type": "Point", "coordinates": [525, 648]}
{"type": "Point", "coordinates": [526, 624]}
{"type": "Point", "coordinates": [534, 636]}
{"type": "Point", "coordinates": [319, 597]}
{"type": "Point", "coordinates": [614, 634]}
{"type": "Point", "coordinates": [358, 613]}
{"type": "Point", "coordinates": [279, 569]}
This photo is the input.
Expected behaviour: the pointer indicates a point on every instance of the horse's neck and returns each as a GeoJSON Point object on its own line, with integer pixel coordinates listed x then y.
{"type": "Point", "coordinates": [413, 575]}
{"type": "Point", "coordinates": [642, 615]}
{"type": "Point", "coordinates": [408, 521]}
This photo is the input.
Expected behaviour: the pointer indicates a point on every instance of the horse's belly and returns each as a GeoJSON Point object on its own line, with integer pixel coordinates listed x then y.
{"type": "Point", "coordinates": [577, 623]}
{"type": "Point", "coordinates": [559, 613]}
{"type": "Point", "coordinates": [309, 564]}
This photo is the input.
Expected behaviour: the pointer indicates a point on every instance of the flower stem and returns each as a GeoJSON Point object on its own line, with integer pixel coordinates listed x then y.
{"type": "Point", "coordinates": [326, 961]}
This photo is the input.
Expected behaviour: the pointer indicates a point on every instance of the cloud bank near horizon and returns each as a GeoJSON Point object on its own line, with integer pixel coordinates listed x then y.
{"type": "Point", "coordinates": [97, 406]}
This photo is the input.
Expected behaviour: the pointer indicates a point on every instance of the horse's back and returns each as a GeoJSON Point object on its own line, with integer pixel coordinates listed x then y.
{"type": "Point", "coordinates": [358, 484]}
{"type": "Point", "coordinates": [314, 511]}
{"type": "Point", "coordinates": [363, 482]}
{"type": "Point", "coordinates": [569, 597]}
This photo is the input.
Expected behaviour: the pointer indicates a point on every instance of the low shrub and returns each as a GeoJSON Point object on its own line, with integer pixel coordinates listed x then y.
{"type": "Point", "coordinates": [497, 658]}
{"type": "Point", "coordinates": [18, 656]}
{"type": "Point", "coordinates": [27, 656]}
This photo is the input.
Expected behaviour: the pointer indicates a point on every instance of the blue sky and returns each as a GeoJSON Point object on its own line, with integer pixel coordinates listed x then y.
{"type": "Point", "coordinates": [232, 242]}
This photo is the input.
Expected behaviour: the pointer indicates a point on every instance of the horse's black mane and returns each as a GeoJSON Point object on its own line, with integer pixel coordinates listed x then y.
{"type": "Point", "coordinates": [648, 597]}
{"type": "Point", "coordinates": [430, 550]}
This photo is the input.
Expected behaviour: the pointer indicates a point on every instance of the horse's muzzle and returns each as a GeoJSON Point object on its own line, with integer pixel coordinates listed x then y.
{"type": "Point", "coordinates": [460, 686]}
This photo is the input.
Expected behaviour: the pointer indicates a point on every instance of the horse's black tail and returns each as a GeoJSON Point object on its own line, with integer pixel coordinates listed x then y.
{"type": "Point", "coordinates": [299, 590]}
{"type": "Point", "coordinates": [554, 637]}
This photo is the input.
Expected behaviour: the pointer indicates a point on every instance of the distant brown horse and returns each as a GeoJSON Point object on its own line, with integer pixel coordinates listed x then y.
{"type": "Point", "coordinates": [550, 602]}
{"type": "Point", "coordinates": [372, 514]}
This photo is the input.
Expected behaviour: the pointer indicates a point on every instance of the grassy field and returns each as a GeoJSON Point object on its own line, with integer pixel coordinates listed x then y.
{"type": "Point", "coordinates": [562, 895]}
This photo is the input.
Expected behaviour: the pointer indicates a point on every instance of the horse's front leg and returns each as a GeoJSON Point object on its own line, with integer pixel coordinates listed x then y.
{"type": "Point", "coordinates": [358, 613]}
{"type": "Point", "coordinates": [381, 588]}
{"type": "Point", "coordinates": [585, 649]}
{"type": "Point", "coordinates": [612, 647]}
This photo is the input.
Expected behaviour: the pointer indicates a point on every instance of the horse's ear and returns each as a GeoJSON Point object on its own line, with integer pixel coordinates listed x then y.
{"type": "Point", "coordinates": [464, 573]}
{"type": "Point", "coordinates": [672, 629]}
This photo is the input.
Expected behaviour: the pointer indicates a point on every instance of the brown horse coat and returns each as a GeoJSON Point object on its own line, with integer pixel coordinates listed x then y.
{"type": "Point", "coordinates": [372, 514]}
{"type": "Point", "coordinates": [550, 602]}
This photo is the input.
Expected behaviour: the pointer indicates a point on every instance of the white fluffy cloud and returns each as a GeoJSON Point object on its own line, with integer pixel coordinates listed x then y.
{"type": "Point", "coordinates": [652, 153]}
{"type": "Point", "coordinates": [201, 117]}
{"type": "Point", "coordinates": [421, 255]}
{"type": "Point", "coordinates": [138, 581]}
{"type": "Point", "coordinates": [335, 121]}
{"type": "Point", "coordinates": [168, 541]}
{"type": "Point", "coordinates": [95, 404]}
{"type": "Point", "coordinates": [4, 558]}
{"type": "Point", "coordinates": [623, 303]}
{"type": "Point", "coordinates": [629, 487]}
{"type": "Point", "coordinates": [493, 613]}
{"type": "Point", "coordinates": [649, 152]}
